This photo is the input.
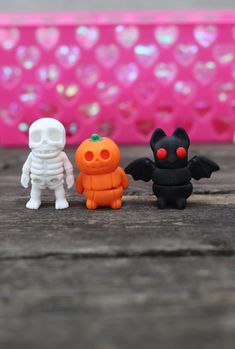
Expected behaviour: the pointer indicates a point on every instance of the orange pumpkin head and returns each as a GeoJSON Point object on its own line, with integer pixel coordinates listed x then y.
{"type": "Point", "coordinates": [97, 155]}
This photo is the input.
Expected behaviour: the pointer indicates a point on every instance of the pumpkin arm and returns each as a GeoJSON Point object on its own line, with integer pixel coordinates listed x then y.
{"type": "Point", "coordinates": [124, 177]}
{"type": "Point", "coordinates": [79, 185]}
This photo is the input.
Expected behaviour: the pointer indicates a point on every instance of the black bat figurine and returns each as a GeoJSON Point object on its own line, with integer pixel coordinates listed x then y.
{"type": "Point", "coordinates": [171, 172]}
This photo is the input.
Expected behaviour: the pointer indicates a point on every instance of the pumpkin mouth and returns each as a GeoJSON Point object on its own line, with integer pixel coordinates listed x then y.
{"type": "Point", "coordinates": [97, 164]}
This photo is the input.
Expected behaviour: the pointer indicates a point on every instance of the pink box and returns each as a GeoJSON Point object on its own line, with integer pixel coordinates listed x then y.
{"type": "Point", "coordinates": [118, 74]}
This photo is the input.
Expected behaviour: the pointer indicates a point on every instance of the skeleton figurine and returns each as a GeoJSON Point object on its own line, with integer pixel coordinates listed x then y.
{"type": "Point", "coordinates": [47, 162]}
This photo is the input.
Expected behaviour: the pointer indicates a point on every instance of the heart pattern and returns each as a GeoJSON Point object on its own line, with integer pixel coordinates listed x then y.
{"type": "Point", "coordinates": [67, 56]}
{"type": "Point", "coordinates": [88, 74]}
{"type": "Point", "coordinates": [47, 37]}
{"type": "Point", "coordinates": [165, 112]}
{"type": "Point", "coordinates": [48, 109]}
{"type": "Point", "coordinates": [145, 127]}
{"type": "Point", "coordinates": [87, 36]}
{"type": "Point", "coordinates": [205, 35]}
{"type": "Point", "coordinates": [126, 35]}
{"type": "Point", "coordinates": [202, 108]}
{"type": "Point", "coordinates": [9, 76]}
{"type": "Point", "coordinates": [223, 124]}
{"type": "Point", "coordinates": [224, 53]}
{"type": "Point", "coordinates": [185, 54]}
{"type": "Point", "coordinates": [204, 71]}
{"type": "Point", "coordinates": [48, 74]}
{"type": "Point", "coordinates": [224, 90]}
{"type": "Point", "coordinates": [107, 92]}
{"type": "Point", "coordinates": [127, 109]}
{"type": "Point", "coordinates": [68, 92]}
{"type": "Point", "coordinates": [127, 73]}
{"type": "Point", "coordinates": [11, 113]}
{"type": "Point", "coordinates": [28, 56]}
{"type": "Point", "coordinates": [71, 129]}
{"type": "Point", "coordinates": [9, 38]}
{"type": "Point", "coordinates": [107, 128]}
{"type": "Point", "coordinates": [160, 69]}
{"type": "Point", "coordinates": [146, 92]}
{"type": "Point", "coordinates": [29, 93]}
{"type": "Point", "coordinates": [146, 55]}
{"type": "Point", "coordinates": [166, 35]}
{"type": "Point", "coordinates": [165, 72]}
{"type": "Point", "coordinates": [184, 91]}
{"type": "Point", "coordinates": [89, 110]}
{"type": "Point", "coordinates": [107, 55]}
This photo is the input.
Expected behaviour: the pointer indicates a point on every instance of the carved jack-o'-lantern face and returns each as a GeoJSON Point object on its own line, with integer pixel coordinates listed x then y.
{"type": "Point", "coordinates": [97, 155]}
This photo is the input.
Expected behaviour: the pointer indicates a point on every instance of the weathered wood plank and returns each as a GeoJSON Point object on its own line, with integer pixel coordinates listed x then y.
{"type": "Point", "coordinates": [118, 303]}
{"type": "Point", "coordinates": [139, 228]}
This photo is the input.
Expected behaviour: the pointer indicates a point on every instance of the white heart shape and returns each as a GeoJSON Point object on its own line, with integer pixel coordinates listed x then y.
{"type": "Point", "coordinates": [165, 72]}
{"type": "Point", "coordinates": [184, 91]}
{"type": "Point", "coordinates": [67, 56]}
{"type": "Point", "coordinates": [146, 54]}
{"type": "Point", "coordinates": [126, 35]}
{"type": "Point", "coordinates": [166, 35]}
{"type": "Point", "coordinates": [107, 55]}
{"type": "Point", "coordinates": [9, 38]}
{"type": "Point", "coordinates": [224, 53]}
{"type": "Point", "coordinates": [28, 56]}
{"type": "Point", "coordinates": [88, 74]}
{"type": "Point", "coordinates": [47, 37]}
{"type": "Point", "coordinates": [185, 54]}
{"type": "Point", "coordinates": [204, 71]}
{"type": "Point", "coordinates": [107, 92]}
{"type": "Point", "coordinates": [205, 35]}
{"type": "Point", "coordinates": [127, 73]}
{"type": "Point", "coordinates": [87, 36]}
{"type": "Point", "coordinates": [9, 76]}
{"type": "Point", "coordinates": [48, 74]}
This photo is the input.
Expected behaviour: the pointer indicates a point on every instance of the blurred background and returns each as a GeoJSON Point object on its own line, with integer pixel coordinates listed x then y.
{"type": "Point", "coordinates": [158, 75]}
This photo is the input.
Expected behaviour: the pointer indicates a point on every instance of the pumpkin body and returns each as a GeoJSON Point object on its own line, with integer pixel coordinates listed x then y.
{"type": "Point", "coordinates": [101, 180]}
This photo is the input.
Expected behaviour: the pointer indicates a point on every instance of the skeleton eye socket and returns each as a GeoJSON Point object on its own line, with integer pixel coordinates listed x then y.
{"type": "Point", "coordinates": [54, 135]}
{"type": "Point", "coordinates": [35, 136]}
{"type": "Point", "coordinates": [105, 155]}
{"type": "Point", "coordinates": [89, 156]}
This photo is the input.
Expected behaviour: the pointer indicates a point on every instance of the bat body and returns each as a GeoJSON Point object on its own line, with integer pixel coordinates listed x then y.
{"type": "Point", "coordinates": [171, 172]}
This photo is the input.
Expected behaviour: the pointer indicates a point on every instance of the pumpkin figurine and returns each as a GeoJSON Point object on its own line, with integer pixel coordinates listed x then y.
{"type": "Point", "coordinates": [101, 180]}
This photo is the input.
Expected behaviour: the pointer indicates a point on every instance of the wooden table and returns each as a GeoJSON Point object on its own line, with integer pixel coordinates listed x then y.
{"type": "Point", "coordinates": [138, 277]}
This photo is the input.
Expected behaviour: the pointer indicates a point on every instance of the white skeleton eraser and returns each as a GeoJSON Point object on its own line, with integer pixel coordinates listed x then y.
{"type": "Point", "coordinates": [47, 165]}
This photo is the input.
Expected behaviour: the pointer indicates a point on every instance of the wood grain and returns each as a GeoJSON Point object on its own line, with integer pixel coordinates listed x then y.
{"type": "Point", "coordinates": [138, 277]}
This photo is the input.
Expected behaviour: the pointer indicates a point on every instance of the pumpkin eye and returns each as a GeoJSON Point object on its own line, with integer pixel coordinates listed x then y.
{"type": "Point", "coordinates": [89, 156]}
{"type": "Point", "coordinates": [181, 152]}
{"type": "Point", "coordinates": [104, 154]}
{"type": "Point", "coordinates": [161, 153]}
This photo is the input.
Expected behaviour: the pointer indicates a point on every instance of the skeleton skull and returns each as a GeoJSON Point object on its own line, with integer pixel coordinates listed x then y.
{"type": "Point", "coordinates": [46, 138]}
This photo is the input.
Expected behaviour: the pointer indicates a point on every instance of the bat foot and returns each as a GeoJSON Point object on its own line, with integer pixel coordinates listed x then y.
{"type": "Point", "coordinates": [161, 203]}
{"type": "Point", "coordinates": [181, 203]}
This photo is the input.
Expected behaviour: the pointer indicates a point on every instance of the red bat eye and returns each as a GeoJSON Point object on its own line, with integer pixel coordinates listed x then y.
{"type": "Point", "coordinates": [181, 152]}
{"type": "Point", "coordinates": [161, 153]}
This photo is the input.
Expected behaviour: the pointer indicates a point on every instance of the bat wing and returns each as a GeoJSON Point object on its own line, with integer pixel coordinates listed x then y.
{"type": "Point", "coordinates": [141, 168]}
{"type": "Point", "coordinates": [202, 167]}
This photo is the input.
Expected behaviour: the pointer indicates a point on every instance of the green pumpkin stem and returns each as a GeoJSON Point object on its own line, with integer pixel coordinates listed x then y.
{"type": "Point", "coordinates": [95, 138]}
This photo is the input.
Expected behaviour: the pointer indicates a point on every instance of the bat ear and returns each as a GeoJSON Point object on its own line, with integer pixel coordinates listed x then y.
{"type": "Point", "coordinates": [156, 136]}
{"type": "Point", "coordinates": [182, 134]}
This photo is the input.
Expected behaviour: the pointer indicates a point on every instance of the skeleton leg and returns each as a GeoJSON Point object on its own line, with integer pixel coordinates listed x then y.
{"type": "Point", "coordinates": [60, 202]}
{"type": "Point", "coordinates": [35, 198]}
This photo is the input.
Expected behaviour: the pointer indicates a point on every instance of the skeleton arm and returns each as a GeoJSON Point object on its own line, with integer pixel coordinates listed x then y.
{"type": "Point", "coordinates": [25, 172]}
{"type": "Point", "coordinates": [69, 171]}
